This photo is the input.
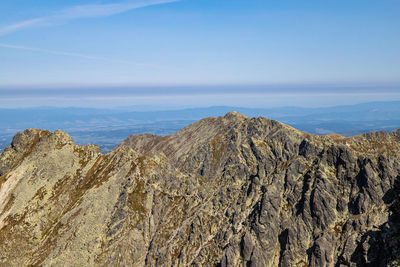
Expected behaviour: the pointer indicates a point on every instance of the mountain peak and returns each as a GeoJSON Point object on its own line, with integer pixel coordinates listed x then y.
{"type": "Point", "coordinates": [235, 115]}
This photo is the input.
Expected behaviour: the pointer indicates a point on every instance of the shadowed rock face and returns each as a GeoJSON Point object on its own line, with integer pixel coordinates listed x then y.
{"type": "Point", "coordinates": [227, 191]}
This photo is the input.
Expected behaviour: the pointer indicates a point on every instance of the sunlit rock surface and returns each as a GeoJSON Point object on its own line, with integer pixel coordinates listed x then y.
{"type": "Point", "coordinates": [227, 191]}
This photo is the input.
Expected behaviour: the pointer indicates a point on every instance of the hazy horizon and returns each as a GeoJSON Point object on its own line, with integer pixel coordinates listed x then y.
{"type": "Point", "coordinates": [171, 54]}
{"type": "Point", "coordinates": [167, 97]}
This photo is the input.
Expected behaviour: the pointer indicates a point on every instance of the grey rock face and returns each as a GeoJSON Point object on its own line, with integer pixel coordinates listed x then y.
{"type": "Point", "coordinates": [227, 191]}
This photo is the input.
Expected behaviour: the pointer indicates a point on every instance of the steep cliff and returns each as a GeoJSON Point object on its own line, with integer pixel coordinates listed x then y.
{"type": "Point", "coordinates": [227, 191]}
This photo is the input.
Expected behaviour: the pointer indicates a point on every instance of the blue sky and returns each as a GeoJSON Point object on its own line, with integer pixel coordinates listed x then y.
{"type": "Point", "coordinates": [79, 43]}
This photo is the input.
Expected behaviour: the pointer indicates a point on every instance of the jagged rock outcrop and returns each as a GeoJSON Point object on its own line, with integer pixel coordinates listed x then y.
{"type": "Point", "coordinates": [227, 191]}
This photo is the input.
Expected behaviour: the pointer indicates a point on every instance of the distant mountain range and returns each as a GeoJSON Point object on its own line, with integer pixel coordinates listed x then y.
{"type": "Point", "coordinates": [108, 127]}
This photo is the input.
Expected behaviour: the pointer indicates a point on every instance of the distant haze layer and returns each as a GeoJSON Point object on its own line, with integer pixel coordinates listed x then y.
{"type": "Point", "coordinates": [175, 97]}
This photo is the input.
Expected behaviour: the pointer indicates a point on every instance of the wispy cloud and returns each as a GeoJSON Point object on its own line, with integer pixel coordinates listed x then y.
{"type": "Point", "coordinates": [80, 12]}
{"type": "Point", "coordinates": [88, 57]}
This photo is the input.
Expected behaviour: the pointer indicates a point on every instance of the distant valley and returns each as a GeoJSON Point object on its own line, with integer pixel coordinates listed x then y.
{"type": "Point", "coordinates": [108, 127]}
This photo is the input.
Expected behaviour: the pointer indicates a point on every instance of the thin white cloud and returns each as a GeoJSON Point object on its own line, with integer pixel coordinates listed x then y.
{"type": "Point", "coordinates": [80, 12]}
{"type": "Point", "coordinates": [88, 57]}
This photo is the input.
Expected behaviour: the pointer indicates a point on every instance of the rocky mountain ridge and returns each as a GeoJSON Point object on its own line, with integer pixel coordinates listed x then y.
{"type": "Point", "coordinates": [226, 191]}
